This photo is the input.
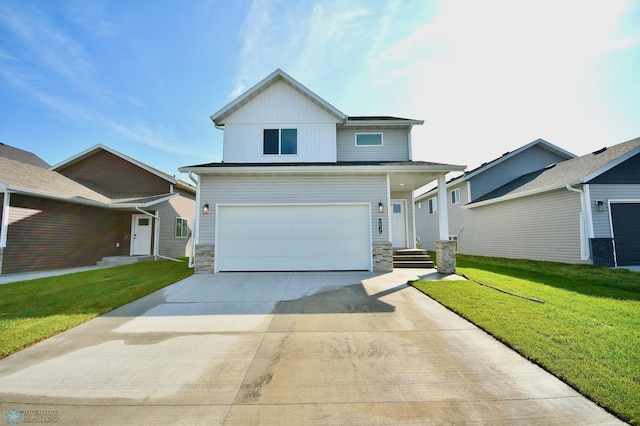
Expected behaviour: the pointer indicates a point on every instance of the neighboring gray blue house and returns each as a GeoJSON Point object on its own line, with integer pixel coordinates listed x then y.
{"type": "Point", "coordinates": [543, 203]}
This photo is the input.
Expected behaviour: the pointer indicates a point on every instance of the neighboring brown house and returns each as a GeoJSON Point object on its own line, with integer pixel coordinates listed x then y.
{"type": "Point", "coordinates": [98, 203]}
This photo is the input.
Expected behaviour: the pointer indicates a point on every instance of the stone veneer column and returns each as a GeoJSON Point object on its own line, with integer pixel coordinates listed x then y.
{"type": "Point", "coordinates": [382, 257]}
{"type": "Point", "coordinates": [446, 256]}
{"type": "Point", "coordinates": [204, 254]}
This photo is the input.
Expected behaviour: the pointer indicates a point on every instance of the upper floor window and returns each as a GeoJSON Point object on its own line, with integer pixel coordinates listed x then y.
{"type": "Point", "coordinates": [433, 205]}
{"type": "Point", "coordinates": [455, 196]}
{"type": "Point", "coordinates": [368, 139]}
{"type": "Point", "coordinates": [182, 227]}
{"type": "Point", "coordinates": [280, 142]}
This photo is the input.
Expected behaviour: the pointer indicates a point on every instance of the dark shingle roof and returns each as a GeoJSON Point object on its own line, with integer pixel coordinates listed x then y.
{"type": "Point", "coordinates": [572, 171]}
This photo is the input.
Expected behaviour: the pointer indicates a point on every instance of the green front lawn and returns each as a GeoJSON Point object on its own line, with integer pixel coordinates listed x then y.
{"type": "Point", "coordinates": [587, 332]}
{"type": "Point", "coordinates": [31, 311]}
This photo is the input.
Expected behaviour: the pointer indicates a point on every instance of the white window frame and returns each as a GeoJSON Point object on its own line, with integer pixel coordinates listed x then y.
{"type": "Point", "coordinates": [455, 196]}
{"type": "Point", "coordinates": [279, 141]}
{"type": "Point", "coordinates": [372, 133]}
{"type": "Point", "coordinates": [433, 205]}
{"type": "Point", "coordinates": [183, 221]}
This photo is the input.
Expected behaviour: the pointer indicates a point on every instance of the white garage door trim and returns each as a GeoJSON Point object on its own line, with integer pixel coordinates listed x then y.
{"type": "Point", "coordinates": [336, 236]}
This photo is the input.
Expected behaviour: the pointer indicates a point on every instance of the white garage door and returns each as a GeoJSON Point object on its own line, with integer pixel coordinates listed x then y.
{"type": "Point", "coordinates": [293, 238]}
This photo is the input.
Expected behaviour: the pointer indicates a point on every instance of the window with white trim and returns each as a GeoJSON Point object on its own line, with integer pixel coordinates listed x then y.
{"type": "Point", "coordinates": [368, 139]}
{"type": "Point", "coordinates": [280, 141]}
{"type": "Point", "coordinates": [433, 205]}
{"type": "Point", "coordinates": [455, 196]}
{"type": "Point", "coordinates": [182, 227]}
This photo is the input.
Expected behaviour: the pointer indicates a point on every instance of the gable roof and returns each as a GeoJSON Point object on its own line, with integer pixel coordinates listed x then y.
{"type": "Point", "coordinates": [23, 178]}
{"type": "Point", "coordinates": [278, 75]}
{"type": "Point", "coordinates": [22, 156]}
{"type": "Point", "coordinates": [574, 171]}
{"type": "Point", "coordinates": [100, 147]}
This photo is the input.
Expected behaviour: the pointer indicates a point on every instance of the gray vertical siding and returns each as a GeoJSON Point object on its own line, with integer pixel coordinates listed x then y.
{"type": "Point", "coordinates": [601, 220]}
{"type": "Point", "coordinates": [395, 145]}
{"type": "Point", "coordinates": [347, 189]}
{"type": "Point", "coordinates": [530, 160]}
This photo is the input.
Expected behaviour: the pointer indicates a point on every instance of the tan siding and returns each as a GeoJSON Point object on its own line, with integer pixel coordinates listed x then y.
{"type": "Point", "coordinates": [292, 190]}
{"type": "Point", "coordinates": [395, 145]}
{"type": "Point", "coordinates": [115, 175]}
{"type": "Point", "coordinates": [183, 206]}
{"type": "Point", "coordinates": [601, 220]}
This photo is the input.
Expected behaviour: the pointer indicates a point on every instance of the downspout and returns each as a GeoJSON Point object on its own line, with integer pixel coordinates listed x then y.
{"type": "Point", "coordinates": [196, 233]}
{"type": "Point", "coordinates": [156, 235]}
{"type": "Point", "coordinates": [4, 222]}
{"type": "Point", "coordinates": [584, 226]}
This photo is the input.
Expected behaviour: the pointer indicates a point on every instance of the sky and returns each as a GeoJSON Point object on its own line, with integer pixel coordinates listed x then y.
{"type": "Point", "coordinates": [487, 77]}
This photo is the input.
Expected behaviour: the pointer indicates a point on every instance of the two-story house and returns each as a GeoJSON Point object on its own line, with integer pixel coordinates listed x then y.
{"type": "Point", "coordinates": [541, 202]}
{"type": "Point", "coordinates": [303, 186]}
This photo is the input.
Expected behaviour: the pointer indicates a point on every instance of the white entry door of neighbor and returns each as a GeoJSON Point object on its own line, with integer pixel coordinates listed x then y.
{"type": "Point", "coordinates": [140, 235]}
{"type": "Point", "coordinates": [398, 224]}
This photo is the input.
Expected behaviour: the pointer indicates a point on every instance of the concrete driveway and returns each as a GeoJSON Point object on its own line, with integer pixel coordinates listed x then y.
{"type": "Point", "coordinates": [284, 348]}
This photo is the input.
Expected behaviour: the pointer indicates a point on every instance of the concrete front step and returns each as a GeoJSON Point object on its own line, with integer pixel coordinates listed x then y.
{"type": "Point", "coordinates": [412, 258]}
{"type": "Point", "coordinates": [122, 260]}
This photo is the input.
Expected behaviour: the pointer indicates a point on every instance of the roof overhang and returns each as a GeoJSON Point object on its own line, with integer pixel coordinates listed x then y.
{"type": "Point", "coordinates": [403, 177]}
{"type": "Point", "coordinates": [520, 194]}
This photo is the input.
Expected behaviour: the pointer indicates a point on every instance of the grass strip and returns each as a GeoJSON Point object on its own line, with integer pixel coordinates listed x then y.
{"type": "Point", "coordinates": [586, 333]}
{"type": "Point", "coordinates": [34, 310]}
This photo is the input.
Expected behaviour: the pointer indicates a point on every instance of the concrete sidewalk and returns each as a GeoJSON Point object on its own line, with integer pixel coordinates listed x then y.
{"type": "Point", "coordinates": [285, 348]}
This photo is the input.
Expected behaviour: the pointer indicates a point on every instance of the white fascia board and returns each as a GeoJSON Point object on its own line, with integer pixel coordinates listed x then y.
{"type": "Point", "coordinates": [98, 147]}
{"type": "Point", "coordinates": [263, 84]}
{"type": "Point", "coordinates": [611, 165]}
{"type": "Point", "coordinates": [519, 195]}
{"type": "Point", "coordinates": [376, 123]}
{"type": "Point", "coordinates": [293, 170]}
{"type": "Point", "coordinates": [148, 204]}
{"type": "Point", "coordinates": [3, 187]}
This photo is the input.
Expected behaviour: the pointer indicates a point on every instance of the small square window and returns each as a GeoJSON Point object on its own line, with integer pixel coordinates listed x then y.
{"type": "Point", "coordinates": [368, 139]}
{"type": "Point", "coordinates": [397, 208]}
{"type": "Point", "coordinates": [182, 227]}
{"type": "Point", "coordinates": [455, 196]}
{"type": "Point", "coordinates": [433, 205]}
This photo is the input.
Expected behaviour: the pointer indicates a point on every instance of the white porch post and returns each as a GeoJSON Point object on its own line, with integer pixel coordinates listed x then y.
{"type": "Point", "coordinates": [443, 213]}
{"type": "Point", "coordinates": [4, 227]}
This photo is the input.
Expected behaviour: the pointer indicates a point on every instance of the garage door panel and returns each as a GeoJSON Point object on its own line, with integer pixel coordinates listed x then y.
{"type": "Point", "coordinates": [300, 237]}
{"type": "Point", "coordinates": [626, 233]}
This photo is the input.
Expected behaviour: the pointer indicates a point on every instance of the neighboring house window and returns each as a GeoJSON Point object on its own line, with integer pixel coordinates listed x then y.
{"type": "Point", "coordinates": [433, 205]}
{"type": "Point", "coordinates": [368, 139]}
{"type": "Point", "coordinates": [455, 196]}
{"type": "Point", "coordinates": [280, 142]}
{"type": "Point", "coordinates": [182, 227]}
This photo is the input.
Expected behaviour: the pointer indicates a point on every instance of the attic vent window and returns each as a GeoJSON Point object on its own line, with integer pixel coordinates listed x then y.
{"type": "Point", "coordinates": [600, 151]}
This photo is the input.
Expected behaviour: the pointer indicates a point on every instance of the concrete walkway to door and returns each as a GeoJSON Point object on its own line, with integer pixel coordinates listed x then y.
{"type": "Point", "coordinates": [285, 348]}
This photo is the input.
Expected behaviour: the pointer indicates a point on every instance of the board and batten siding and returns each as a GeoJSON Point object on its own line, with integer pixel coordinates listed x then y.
{"type": "Point", "coordinates": [183, 206]}
{"type": "Point", "coordinates": [530, 160]}
{"type": "Point", "coordinates": [334, 189]}
{"type": "Point", "coordinates": [395, 145]}
{"type": "Point", "coordinates": [601, 220]}
{"type": "Point", "coordinates": [280, 106]}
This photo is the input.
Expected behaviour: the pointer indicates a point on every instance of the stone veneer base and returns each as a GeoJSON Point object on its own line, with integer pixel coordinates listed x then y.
{"type": "Point", "coordinates": [204, 258]}
{"type": "Point", "coordinates": [382, 257]}
{"type": "Point", "coordinates": [446, 256]}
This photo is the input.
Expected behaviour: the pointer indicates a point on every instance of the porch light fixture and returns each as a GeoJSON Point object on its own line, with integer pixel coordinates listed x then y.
{"type": "Point", "coordinates": [380, 207]}
{"type": "Point", "coordinates": [205, 208]}
{"type": "Point", "coordinates": [600, 205]}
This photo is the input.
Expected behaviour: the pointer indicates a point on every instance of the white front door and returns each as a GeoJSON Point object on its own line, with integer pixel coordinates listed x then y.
{"type": "Point", "coordinates": [140, 235]}
{"type": "Point", "coordinates": [398, 224]}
